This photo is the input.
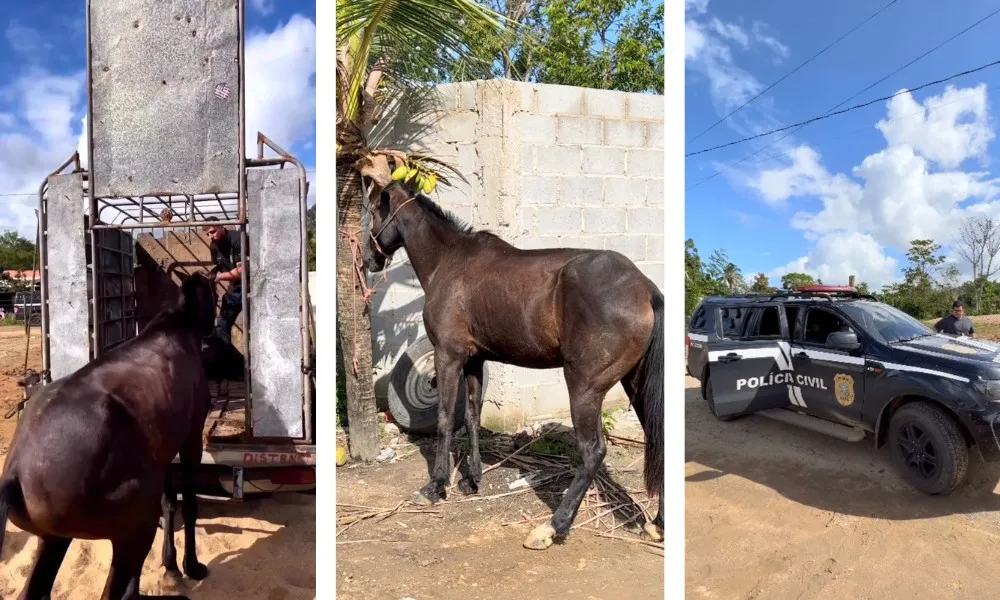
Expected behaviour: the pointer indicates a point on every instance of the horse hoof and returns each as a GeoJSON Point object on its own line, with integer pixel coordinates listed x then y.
{"type": "Point", "coordinates": [421, 500]}
{"type": "Point", "coordinates": [540, 537]}
{"type": "Point", "coordinates": [654, 532]}
{"type": "Point", "coordinates": [196, 571]}
{"type": "Point", "coordinates": [467, 487]}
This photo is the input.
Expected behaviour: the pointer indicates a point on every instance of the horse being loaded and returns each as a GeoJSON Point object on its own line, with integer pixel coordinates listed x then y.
{"type": "Point", "coordinates": [90, 455]}
{"type": "Point", "coordinates": [591, 312]}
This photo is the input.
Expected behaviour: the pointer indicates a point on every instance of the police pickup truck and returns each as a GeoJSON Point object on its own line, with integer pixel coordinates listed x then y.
{"type": "Point", "coordinates": [844, 361]}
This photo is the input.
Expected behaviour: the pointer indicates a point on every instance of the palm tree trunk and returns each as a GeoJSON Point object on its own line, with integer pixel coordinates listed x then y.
{"type": "Point", "coordinates": [354, 324]}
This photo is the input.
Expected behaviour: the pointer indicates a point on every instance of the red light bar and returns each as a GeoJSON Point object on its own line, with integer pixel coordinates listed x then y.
{"type": "Point", "coordinates": [827, 288]}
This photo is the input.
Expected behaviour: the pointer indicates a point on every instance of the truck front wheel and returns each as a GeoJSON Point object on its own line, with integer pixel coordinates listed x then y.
{"type": "Point", "coordinates": [928, 448]}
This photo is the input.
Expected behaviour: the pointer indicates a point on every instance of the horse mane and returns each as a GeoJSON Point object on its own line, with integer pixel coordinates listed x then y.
{"type": "Point", "coordinates": [446, 216]}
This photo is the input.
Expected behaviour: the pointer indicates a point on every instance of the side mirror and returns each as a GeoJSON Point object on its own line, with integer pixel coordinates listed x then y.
{"type": "Point", "coordinates": [843, 340]}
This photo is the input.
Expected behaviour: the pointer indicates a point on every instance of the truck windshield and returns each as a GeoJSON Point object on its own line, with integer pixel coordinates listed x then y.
{"type": "Point", "coordinates": [884, 322]}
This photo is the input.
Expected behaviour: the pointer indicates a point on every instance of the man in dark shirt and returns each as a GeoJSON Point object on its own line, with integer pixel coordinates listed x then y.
{"type": "Point", "coordinates": [226, 256]}
{"type": "Point", "coordinates": [956, 323]}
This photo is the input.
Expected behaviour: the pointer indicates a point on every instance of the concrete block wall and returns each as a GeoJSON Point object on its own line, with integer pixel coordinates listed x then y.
{"type": "Point", "coordinates": [547, 166]}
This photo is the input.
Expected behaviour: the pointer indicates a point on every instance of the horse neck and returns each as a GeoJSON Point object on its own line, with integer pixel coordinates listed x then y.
{"type": "Point", "coordinates": [425, 239]}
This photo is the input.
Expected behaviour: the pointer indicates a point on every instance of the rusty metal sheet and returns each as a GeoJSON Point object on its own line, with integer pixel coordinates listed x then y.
{"type": "Point", "coordinates": [165, 97]}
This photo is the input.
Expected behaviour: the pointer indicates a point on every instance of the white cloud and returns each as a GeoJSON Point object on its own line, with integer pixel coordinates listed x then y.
{"type": "Point", "coordinates": [709, 45]}
{"type": "Point", "coordinates": [946, 129]}
{"type": "Point", "coordinates": [34, 139]}
{"type": "Point", "coordinates": [281, 97]}
{"type": "Point", "coordinates": [837, 256]}
{"type": "Point", "coordinates": [264, 7]}
{"type": "Point", "coordinates": [26, 41]}
{"type": "Point", "coordinates": [780, 50]}
{"type": "Point", "coordinates": [698, 7]}
{"type": "Point", "coordinates": [911, 189]}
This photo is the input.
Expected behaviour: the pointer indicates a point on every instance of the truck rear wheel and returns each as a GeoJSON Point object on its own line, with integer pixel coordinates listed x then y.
{"type": "Point", "coordinates": [928, 448]}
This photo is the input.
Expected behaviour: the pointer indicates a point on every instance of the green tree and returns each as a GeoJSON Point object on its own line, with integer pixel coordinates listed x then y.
{"type": "Point", "coordinates": [862, 288]}
{"type": "Point", "coordinates": [793, 281]}
{"type": "Point", "coordinates": [386, 49]}
{"type": "Point", "coordinates": [604, 44]}
{"type": "Point", "coordinates": [732, 277]}
{"type": "Point", "coordinates": [761, 284]}
{"type": "Point", "coordinates": [16, 252]}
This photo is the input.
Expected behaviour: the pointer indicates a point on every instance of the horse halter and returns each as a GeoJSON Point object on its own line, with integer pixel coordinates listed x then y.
{"type": "Point", "coordinates": [392, 215]}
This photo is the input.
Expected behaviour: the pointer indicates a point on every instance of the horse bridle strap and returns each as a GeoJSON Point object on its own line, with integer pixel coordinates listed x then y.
{"type": "Point", "coordinates": [392, 216]}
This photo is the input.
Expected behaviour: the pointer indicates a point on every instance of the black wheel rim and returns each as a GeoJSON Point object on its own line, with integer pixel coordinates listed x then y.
{"type": "Point", "coordinates": [919, 452]}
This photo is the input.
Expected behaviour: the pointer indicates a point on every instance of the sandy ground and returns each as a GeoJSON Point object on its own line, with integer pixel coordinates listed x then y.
{"type": "Point", "coordinates": [261, 549]}
{"type": "Point", "coordinates": [776, 512]}
{"type": "Point", "coordinates": [470, 550]}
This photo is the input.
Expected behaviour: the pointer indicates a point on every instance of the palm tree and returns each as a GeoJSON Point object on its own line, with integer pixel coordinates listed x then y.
{"type": "Point", "coordinates": [732, 277]}
{"type": "Point", "coordinates": [385, 48]}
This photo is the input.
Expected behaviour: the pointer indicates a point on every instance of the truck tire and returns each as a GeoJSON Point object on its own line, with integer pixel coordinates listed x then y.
{"type": "Point", "coordinates": [412, 394]}
{"type": "Point", "coordinates": [710, 400]}
{"type": "Point", "coordinates": [928, 448]}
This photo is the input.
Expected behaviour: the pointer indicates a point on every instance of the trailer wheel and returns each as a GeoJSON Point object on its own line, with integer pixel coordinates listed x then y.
{"type": "Point", "coordinates": [35, 319]}
{"type": "Point", "coordinates": [413, 397]}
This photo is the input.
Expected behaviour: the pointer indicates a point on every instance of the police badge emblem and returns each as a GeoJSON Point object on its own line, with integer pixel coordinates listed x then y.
{"type": "Point", "coordinates": [843, 389]}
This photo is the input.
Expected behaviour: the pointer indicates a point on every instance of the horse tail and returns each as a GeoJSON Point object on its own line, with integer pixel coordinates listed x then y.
{"type": "Point", "coordinates": [9, 489]}
{"type": "Point", "coordinates": [649, 393]}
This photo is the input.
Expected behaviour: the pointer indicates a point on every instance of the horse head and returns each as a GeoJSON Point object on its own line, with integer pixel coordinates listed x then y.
{"type": "Point", "coordinates": [198, 302]}
{"type": "Point", "coordinates": [385, 237]}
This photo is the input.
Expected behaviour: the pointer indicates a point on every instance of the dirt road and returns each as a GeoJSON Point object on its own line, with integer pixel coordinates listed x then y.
{"type": "Point", "coordinates": [261, 549]}
{"type": "Point", "coordinates": [776, 512]}
{"type": "Point", "coordinates": [472, 549]}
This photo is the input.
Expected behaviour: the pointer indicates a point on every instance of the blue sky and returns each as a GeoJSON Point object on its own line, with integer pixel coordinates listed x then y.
{"type": "Point", "coordinates": [845, 195]}
{"type": "Point", "coordinates": [43, 98]}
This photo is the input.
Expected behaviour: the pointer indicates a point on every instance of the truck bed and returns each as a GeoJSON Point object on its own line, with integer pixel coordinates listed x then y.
{"type": "Point", "coordinates": [226, 420]}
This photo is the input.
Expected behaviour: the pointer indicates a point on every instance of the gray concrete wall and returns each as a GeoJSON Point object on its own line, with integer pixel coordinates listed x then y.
{"type": "Point", "coordinates": [274, 295]}
{"type": "Point", "coordinates": [548, 166]}
{"type": "Point", "coordinates": [166, 93]}
{"type": "Point", "coordinates": [69, 317]}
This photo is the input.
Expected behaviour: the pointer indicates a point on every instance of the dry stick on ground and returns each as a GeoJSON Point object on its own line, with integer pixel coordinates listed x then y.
{"type": "Point", "coordinates": [632, 541]}
{"type": "Point", "coordinates": [374, 540]}
{"type": "Point", "coordinates": [625, 440]}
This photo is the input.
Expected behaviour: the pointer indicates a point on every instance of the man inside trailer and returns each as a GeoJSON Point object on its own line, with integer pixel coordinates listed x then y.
{"type": "Point", "coordinates": [226, 255]}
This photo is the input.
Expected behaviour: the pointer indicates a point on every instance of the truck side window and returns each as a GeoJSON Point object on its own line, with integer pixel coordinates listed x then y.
{"type": "Point", "coordinates": [768, 326]}
{"type": "Point", "coordinates": [792, 316]}
{"type": "Point", "coordinates": [698, 320]}
{"type": "Point", "coordinates": [732, 318]}
{"type": "Point", "coordinates": [821, 323]}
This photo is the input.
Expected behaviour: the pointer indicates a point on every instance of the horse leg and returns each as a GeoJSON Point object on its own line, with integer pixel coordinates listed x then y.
{"type": "Point", "coordinates": [169, 505]}
{"type": "Point", "coordinates": [128, 555]}
{"type": "Point", "coordinates": [585, 409]}
{"type": "Point", "coordinates": [48, 558]}
{"type": "Point", "coordinates": [474, 384]}
{"type": "Point", "coordinates": [448, 368]}
{"type": "Point", "coordinates": [190, 461]}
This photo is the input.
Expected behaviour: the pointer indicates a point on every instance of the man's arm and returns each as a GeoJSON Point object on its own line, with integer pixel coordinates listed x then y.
{"type": "Point", "coordinates": [938, 327]}
{"type": "Point", "coordinates": [972, 329]}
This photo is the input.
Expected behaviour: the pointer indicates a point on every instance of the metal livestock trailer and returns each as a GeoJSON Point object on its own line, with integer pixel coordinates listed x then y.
{"type": "Point", "coordinates": [166, 145]}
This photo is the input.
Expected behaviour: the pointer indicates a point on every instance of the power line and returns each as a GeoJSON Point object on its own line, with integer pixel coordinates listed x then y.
{"type": "Point", "coordinates": [925, 54]}
{"type": "Point", "coordinates": [846, 110]}
{"type": "Point", "coordinates": [792, 72]}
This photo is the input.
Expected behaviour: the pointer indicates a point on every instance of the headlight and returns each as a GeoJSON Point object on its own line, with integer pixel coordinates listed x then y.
{"type": "Point", "coordinates": [989, 387]}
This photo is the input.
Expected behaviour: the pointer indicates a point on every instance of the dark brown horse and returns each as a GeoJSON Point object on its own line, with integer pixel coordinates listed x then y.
{"type": "Point", "coordinates": [591, 312]}
{"type": "Point", "coordinates": [90, 455]}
